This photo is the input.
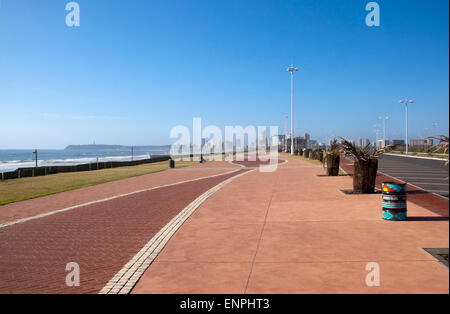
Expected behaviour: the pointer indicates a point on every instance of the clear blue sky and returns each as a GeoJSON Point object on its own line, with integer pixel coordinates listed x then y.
{"type": "Point", "coordinates": [134, 69]}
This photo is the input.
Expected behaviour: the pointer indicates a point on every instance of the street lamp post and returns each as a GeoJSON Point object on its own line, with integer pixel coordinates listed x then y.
{"type": "Point", "coordinates": [384, 129]}
{"type": "Point", "coordinates": [292, 70]}
{"type": "Point", "coordinates": [406, 102]}
{"type": "Point", "coordinates": [285, 133]}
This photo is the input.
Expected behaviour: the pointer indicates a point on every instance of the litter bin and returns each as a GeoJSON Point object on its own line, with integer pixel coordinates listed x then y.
{"type": "Point", "coordinates": [394, 201]}
{"type": "Point", "coordinates": [171, 163]}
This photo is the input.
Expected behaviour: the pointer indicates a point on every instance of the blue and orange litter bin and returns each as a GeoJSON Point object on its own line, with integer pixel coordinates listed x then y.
{"type": "Point", "coordinates": [394, 201]}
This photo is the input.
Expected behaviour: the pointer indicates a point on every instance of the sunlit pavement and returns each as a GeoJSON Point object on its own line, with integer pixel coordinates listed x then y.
{"type": "Point", "coordinates": [291, 231]}
{"type": "Point", "coordinates": [288, 231]}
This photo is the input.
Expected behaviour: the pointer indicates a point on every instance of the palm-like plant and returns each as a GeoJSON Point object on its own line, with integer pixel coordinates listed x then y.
{"type": "Point", "coordinates": [335, 147]}
{"type": "Point", "coordinates": [365, 164]}
{"type": "Point", "coordinates": [442, 145]}
{"type": "Point", "coordinates": [364, 153]}
{"type": "Point", "coordinates": [332, 158]}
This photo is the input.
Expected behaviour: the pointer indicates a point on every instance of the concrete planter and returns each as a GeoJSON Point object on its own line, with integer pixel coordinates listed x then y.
{"type": "Point", "coordinates": [333, 165]}
{"type": "Point", "coordinates": [364, 176]}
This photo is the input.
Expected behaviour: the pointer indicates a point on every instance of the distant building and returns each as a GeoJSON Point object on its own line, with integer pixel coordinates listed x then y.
{"type": "Point", "coordinates": [312, 144]}
{"type": "Point", "coordinates": [300, 142]}
{"type": "Point", "coordinates": [425, 143]}
{"type": "Point", "coordinates": [380, 144]}
{"type": "Point", "coordinates": [307, 137]}
{"type": "Point", "coordinates": [362, 142]}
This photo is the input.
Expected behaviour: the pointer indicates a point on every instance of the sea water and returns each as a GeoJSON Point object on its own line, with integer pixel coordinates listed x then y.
{"type": "Point", "coordinates": [12, 159]}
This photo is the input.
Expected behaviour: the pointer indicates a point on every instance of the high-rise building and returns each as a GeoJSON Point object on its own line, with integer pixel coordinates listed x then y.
{"type": "Point", "coordinates": [425, 143]}
{"type": "Point", "coordinates": [362, 142]}
{"type": "Point", "coordinates": [307, 137]}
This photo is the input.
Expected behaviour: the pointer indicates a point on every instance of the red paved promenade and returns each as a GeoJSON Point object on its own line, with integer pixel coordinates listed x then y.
{"type": "Point", "coordinates": [291, 231]}
{"type": "Point", "coordinates": [287, 231]}
{"type": "Point", "coordinates": [100, 237]}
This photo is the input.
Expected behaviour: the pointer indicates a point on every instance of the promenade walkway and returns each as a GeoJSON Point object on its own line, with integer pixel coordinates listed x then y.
{"type": "Point", "coordinates": [24, 209]}
{"type": "Point", "coordinates": [219, 228]}
{"type": "Point", "coordinates": [101, 228]}
{"type": "Point", "coordinates": [291, 231]}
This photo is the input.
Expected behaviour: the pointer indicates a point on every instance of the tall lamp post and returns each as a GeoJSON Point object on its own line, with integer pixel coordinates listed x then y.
{"type": "Point", "coordinates": [384, 128]}
{"type": "Point", "coordinates": [285, 133]}
{"type": "Point", "coordinates": [406, 102]}
{"type": "Point", "coordinates": [292, 70]}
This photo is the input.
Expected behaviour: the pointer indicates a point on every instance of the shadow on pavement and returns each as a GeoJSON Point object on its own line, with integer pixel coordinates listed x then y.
{"type": "Point", "coordinates": [427, 218]}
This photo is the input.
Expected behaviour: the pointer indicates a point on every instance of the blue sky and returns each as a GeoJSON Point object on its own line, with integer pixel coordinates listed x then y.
{"type": "Point", "coordinates": [135, 69]}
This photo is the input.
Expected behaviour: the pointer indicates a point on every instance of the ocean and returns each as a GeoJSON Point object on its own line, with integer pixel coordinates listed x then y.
{"type": "Point", "coordinates": [12, 159]}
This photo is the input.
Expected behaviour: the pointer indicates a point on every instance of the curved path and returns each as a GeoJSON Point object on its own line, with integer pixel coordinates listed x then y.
{"type": "Point", "coordinates": [100, 237]}
{"type": "Point", "coordinates": [20, 210]}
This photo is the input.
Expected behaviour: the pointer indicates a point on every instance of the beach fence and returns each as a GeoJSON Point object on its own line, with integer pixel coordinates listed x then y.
{"type": "Point", "coordinates": [42, 171]}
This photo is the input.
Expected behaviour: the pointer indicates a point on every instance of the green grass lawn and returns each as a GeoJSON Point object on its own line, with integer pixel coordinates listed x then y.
{"type": "Point", "coordinates": [313, 161]}
{"type": "Point", "coordinates": [15, 190]}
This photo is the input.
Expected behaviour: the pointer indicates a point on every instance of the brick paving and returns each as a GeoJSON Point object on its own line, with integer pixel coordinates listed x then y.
{"type": "Point", "coordinates": [263, 233]}
{"type": "Point", "coordinates": [24, 209]}
{"type": "Point", "coordinates": [101, 238]}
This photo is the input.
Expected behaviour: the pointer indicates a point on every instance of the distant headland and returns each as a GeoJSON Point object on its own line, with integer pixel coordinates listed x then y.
{"type": "Point", "coordinates": [116, 147]}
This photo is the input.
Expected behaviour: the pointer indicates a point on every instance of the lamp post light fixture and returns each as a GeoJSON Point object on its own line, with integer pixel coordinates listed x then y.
{"type": "Point", "coordinates": [406, 102]}
{"type": "Point", "coordinates": [384, 128]}
{"type": "Point", "coordinates": [292, 69]}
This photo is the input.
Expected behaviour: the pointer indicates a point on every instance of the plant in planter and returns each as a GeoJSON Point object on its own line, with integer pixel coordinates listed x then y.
{"type": "Point", "coordinates": [332, 158]}
{"type": "Point", "coordinates": [441, 146]}
{"type": "Point", "coordinates": [365, 165]}
{"type": "Point", "coordinates": [315, 155]}
{"type": "Point", "coordinates": [320, 155]}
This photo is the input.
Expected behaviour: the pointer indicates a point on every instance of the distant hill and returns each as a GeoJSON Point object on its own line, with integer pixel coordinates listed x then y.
{"type": "Point", "coordinates": [116, 147]}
